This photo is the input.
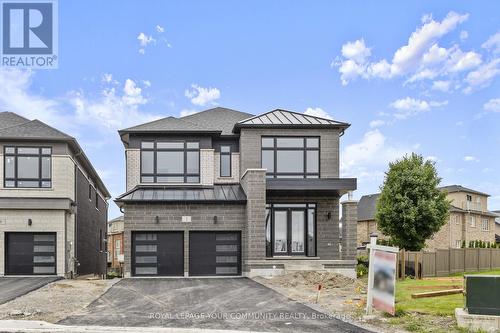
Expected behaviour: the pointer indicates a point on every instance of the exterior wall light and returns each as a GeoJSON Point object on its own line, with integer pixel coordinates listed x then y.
{"type": "Point", "coordinates": [329, 215]}
{"type": "Point", "coordinates": [157, 219]}
{"type": "Point", "coordinates": [215, 219]}
{"type": "Point", "coordinates": [30, 222]}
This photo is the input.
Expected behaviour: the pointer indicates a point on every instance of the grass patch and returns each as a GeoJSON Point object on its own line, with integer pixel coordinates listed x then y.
{"type": "Point", "coordinates": [439, 306]}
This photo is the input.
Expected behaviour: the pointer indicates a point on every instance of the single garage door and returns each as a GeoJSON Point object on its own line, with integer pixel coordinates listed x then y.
{"type": "Point", "coordinates": [158, 253]}
{"type": "Point", "coordinates": [214, 253]}
{"type": "Point", "coordinates": [30, 253]}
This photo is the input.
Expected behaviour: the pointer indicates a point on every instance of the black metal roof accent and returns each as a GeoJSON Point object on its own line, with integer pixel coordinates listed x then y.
{"type": "Point", "coordinates": [323, 186]}
{"type": "Point", "coordinates": [231, 193]}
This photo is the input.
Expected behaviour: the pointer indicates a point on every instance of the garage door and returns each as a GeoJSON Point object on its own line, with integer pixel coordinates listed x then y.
{"type": "Point", "coordinates": [30, 253]}
{"type": "Point", "coordinates": [158, 254]}
{"type": "Point", "coordinates": [214, 253]}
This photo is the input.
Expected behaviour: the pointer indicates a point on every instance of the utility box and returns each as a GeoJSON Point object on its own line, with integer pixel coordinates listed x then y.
{"type": "Point", "coordinates": [482, 294]}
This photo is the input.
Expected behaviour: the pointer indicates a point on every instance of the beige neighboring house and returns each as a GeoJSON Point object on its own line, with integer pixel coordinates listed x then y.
{"type": "Point", "coordinates": [469, 219]}
{"type": "Point", "coordinates": [497, 226]}
{"type": "Point", "coordinates": [115, 242]}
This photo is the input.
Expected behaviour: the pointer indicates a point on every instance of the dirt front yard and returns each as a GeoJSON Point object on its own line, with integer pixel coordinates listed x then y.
{"type": "Point", "coordinates": [56, 300]}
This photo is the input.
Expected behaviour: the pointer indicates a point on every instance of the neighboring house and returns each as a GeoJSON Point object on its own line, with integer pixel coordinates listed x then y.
{"type": "Point", "coordinates": [115, 243]}
{"type": "Point", "coordinates": [53, 205]}
{"type": "Point", "coordinates": [497, 226]}
{"type": "Point", "coordinates": [222, 192]}
{"type": "Point", "coordinates": [469, 219]}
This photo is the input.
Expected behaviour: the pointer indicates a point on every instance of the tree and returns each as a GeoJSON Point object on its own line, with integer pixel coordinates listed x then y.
{"type": "Point", "coordinates": [411, 208]}
{"type": "Point", "coordinates": [463, 244]}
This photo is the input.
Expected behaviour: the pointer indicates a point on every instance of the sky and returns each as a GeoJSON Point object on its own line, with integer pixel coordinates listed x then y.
{"type": "Point", "coordinates": [409, 76]}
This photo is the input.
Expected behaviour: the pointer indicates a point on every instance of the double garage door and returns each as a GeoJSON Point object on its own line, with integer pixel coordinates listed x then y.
{"type": "Point", "coordinates": [162, 253]}
{"type": "Point", "coordinates": [30, 253]}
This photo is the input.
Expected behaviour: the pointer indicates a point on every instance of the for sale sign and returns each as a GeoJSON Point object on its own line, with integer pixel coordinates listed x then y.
{"type": "Point", "coordinates": [382, 278]}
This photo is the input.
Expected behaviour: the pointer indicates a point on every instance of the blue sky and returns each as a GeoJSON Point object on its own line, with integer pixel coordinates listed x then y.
{"type": "Point", "coordinates": [419, 76]}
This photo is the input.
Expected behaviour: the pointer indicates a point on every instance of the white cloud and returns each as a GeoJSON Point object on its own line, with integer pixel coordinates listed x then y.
{"type": "Point", "coordinates": [188, 112]}
{"type": "Point", "coordinates": [492, 105]}
{"type": "Point", "coordinates": [483, 75]}
{"type": "Point", "coordinates": [493, 43]}
{"type": "Point", "coordinates": [369, 158]}
{"type": "Point", "coordinates": [160, 29]}
{"type": "Point", "coordinates": [107, 78]}
{"type": "Point", "coordinates": [317, 112]}
{"type": "Point", "coordinates": [443, 86]}
{"type": "Point", "coordinates": [146, 83]}
{"type": "Point", "coordinates": [145, 40]}
{"type": "Point", "coordinates": [407, 107]}
{"type": "Point", "coordinates": [423, 59]}
{"type": "Point", "coordinates": [431, 158]}
{"type": "Point", "coordinates": [377, 123]}
{"type": "Point", "coordinates": [356, 51]}
{"type": "Point", "coordinates": [470, 159]}
{"type": "Point", "coordinates": [202, 96]}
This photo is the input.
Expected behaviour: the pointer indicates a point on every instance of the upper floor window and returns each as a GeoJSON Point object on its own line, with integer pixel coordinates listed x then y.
{"type": "Point", "coordinates": [485, 225]}
{"type": "Point", "coordinates": [170, 162]}
{"type": "Point", "coordinates": [291, 157]}
{"type": "Point", "coordinates": [27, 167]}
{"type": "Point", "coordinates": [90, 192]}
{"type": "Point", "coordinates": [96, 199]}
{"type": "Point", "coordinates": [225, 161]}
{"type": "Point", "coordinates": [472, 221]}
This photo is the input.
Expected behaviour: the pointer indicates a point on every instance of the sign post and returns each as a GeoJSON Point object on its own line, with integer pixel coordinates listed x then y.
{"type": "Point", "coordinates": [381, 277]}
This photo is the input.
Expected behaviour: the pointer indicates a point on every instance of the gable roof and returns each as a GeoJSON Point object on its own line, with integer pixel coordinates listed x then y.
{"type": "Point", "coordinates": [222, 119]}
{"type": "Point", "coordinates": [21, 129]}
{"type": "Point", "coordinates": [367, 206]}
{"type": "Point", "coordinates": [460, 188]}
{"type": "Point", "coordinates": [8, 119]}
{"type": "Point", "coordinates": [288, 119]}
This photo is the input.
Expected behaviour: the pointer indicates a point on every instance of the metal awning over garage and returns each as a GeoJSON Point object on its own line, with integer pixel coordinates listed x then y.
{"type": "Point", "coordinates": [213, 194]}
{"type": "Point", "coordinates": [323, 186]}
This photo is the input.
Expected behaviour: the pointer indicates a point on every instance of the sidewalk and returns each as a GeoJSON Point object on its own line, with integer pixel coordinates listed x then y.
{"type": "Point", "coordinates": [30, 326]}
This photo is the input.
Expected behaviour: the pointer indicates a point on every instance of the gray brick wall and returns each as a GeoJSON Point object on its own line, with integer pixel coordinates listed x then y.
{"type": "Point", "coordinates": [349, 229]}
{"type": "Point", "coordinates": [327, 232]}
{"type": "Point", "coordinates": [250, 147]}
{"type": "Point", "coordinates": [254, 185]}
{"type": "Point", "coordinates": [141, 217]}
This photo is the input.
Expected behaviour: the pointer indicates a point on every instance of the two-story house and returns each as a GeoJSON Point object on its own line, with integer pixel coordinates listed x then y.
{"type": "Point", "coordinates": [222, 192]}
{"type": "Point", "coordinates": [115, 243]}
{"type": "Point", "coordinates": [53, 205]}
{"type": "Point", "coordinates": [469, 219]}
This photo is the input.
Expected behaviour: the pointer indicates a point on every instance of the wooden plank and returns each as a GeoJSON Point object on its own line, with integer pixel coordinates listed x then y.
{"type": "Point", "coordinates": [438, 293]}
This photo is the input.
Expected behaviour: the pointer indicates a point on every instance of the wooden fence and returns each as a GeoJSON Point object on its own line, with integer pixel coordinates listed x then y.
{"type": "Point", "coordinates": [446, 262]}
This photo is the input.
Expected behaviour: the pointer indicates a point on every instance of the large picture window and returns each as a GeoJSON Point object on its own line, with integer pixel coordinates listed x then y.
{"type": "Point", "coordinates": [291, 229]}
{"type": "Point", "coordinates": [170, 162]}
{"type": "Point", "coordinates": [27, 167]}
{"type": "Point", "coordinates": [291, 157]}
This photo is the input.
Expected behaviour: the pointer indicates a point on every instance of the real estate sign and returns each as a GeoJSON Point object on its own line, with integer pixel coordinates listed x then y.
{"type": "Point", "coordinates": [382, 278]}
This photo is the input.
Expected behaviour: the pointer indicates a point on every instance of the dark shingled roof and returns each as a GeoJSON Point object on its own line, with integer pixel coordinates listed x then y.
{"type": "Point", "coordinates": [460, 188]}
{"type": "Point", "coordinates": [217, 120]}
{"type": "Point", "coordinates": [8, 119]}
{"type": "Point", "coordinates": [366, 207]}
{"type": "Point", "coordinates": [16, 128]}
{"type": "Point", "coordinates": [217, 193]}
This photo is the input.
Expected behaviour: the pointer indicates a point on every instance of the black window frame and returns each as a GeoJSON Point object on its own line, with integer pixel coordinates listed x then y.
{"type": "Point", "coordinates": [90, 192]}
{"type": "Point", "coordinates": [185, 175]}
{"type": "Point", "coordinates": [290, 175]}
{"type": "Point", "coordinates": [96, 200]}
{"type": "Point", "coordinates": [230, 162]}
{"type": "Point", "coordinates": [16, 156]}
{"type": "Point", "coordinates": [296, 206]}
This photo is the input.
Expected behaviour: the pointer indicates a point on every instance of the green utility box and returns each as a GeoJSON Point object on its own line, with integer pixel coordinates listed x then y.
{"type": "Point", "coordinates": [482, 294]}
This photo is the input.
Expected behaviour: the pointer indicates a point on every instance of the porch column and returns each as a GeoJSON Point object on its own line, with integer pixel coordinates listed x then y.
{"type": "Point", "coordinates": [349, 229]}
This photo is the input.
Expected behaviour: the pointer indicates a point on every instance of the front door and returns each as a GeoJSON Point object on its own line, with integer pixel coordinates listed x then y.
{"type": "Point", "coordinates": [289, 231]}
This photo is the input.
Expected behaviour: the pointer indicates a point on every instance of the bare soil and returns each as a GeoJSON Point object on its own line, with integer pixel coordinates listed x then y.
{"type": "Point", "coordinates": [340, 296]}
{"type": "Point", "coordinates": [56, 300]}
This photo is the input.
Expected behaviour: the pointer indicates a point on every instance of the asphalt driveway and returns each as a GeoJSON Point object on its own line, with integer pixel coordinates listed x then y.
{"type": "Point", "coordinates": [13, 287]}
{"type": "Point", "coordinates": [231, 304]}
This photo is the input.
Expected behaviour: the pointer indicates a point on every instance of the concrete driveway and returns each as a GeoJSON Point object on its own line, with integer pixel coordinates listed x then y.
{"type": "Point", "coordinates": [13, 287]}
{"type": "Point", "coordinates": [225, 304]}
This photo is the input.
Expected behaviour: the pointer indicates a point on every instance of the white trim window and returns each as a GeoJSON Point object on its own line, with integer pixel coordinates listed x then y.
{"type": "Point", "coordinates": [458, 243]}
{"type": "Point", "coordinates": [485, 225]}
{"type": "Point", "coordinates": [118, 247]}
{"type": "Point", "coordinates": [473, 221]}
